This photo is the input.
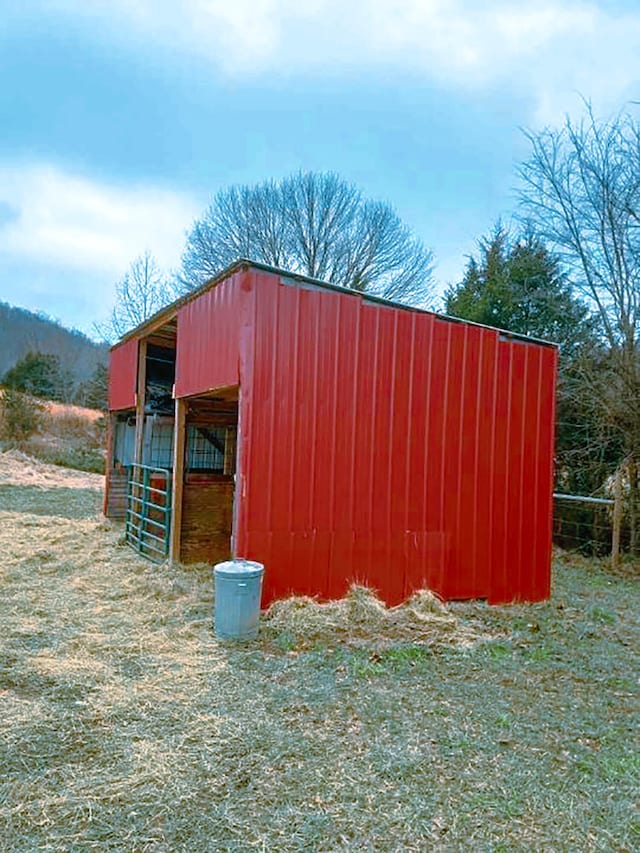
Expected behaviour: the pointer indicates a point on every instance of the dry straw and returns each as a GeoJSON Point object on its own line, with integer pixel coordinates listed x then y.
{"type": "Point", "coordinates": [360, 616]}
{"type": "Point", "coordinates": [125, 726]}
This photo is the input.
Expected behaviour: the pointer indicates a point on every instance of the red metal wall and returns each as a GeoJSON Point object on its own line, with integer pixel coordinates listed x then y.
{"type": "Point", "coordinates": [384, 446]}
{"type": "Point", "coordinates": [123, 375]}
{"type": "Point", "coordinates": [376, 444]}
{"type": "Point", "coordinates": [210, 333]}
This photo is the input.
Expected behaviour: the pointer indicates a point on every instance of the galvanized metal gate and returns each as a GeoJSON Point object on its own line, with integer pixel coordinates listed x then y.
{"type": "Point", "coordinates": [149, 511]}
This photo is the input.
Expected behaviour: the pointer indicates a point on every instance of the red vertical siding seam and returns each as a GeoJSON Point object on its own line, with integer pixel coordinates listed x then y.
{"type": "Point", "coordinates": [372, 449]}
{"type": "Point", "coordinates": [444, 448]}
{"type": "Point", "coordinates": [246, 417]}
{"type": "Point", "coordinates": [294, 448]}
{"type": "Point", "coordinates": [354, 419]}
{"type": "Point", "coordinates": [429, 355]}
{"type": "Point", "coordinates": [492, 468]}
{"type": "Point", "coordinates": [536, 476]}
{"type": "Point", "coordinates": [390, 439]}
{"type": "Point", "coordinates": [410, 425]}
{"type": "Point", "coordinates": [273, 404]}
{"type": "Point", "coordinates": [333, 473]}
{"type": "Point", "coordinates": [409, 537]}
{"type": "Point", "coordinates": [523, 452]}
{"type": "Point", "coordinates": [475, 556]}
{"type": "Point", "coordinates": [551, 456]}
{"type": "Point", "coordinates": [508, 445]}
{"type": "Point", "coordinates": [463, 542]}
{"type": "Point", "coordinates": [314, 428]}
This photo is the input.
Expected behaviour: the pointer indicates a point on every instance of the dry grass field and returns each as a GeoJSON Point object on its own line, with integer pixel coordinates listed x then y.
{"type": "Point", "coordinates": [63, 434]}
{"type": "Point", "coordinates": [125, 726]}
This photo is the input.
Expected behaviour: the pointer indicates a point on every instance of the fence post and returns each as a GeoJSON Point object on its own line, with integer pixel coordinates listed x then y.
{"type": "Point", "coordinates": [617, 520]}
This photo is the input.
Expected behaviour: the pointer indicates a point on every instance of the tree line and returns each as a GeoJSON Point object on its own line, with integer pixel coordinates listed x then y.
{"type": "Point", "coordinates": [41, 357]}
{"type": "Point", "coordinates": [41, 374]}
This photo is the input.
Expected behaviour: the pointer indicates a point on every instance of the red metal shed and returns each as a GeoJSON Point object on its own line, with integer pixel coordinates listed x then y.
{"type": "Point", "coordinates": [336, 437]}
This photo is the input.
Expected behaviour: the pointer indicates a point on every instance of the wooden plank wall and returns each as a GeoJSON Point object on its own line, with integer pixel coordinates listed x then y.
{"type": "Point", "coordinates": [117, 493]}
{"type": "Point", "coordinates": [207, 513]}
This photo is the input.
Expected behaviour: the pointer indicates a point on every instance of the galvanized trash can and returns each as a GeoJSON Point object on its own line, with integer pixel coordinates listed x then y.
{"type": "Point", "coordinates": [238, 587]}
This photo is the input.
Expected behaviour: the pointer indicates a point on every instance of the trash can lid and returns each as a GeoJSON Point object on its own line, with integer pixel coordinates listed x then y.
{"type": "Point", "coordinates": [239, 567]}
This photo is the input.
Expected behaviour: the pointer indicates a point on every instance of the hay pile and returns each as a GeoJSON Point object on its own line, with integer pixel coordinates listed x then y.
{"type": "Point", "coordinates": [361, 617]}
{"type": "Point", "coordinates": [19, 469]}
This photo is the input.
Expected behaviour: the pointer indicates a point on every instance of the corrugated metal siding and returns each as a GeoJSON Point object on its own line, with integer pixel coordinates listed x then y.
{"type": "Point", "coordinates": [123, 375]}
{"type": "Point", "coordinates": [389, 447]}
{"type": "Point", "coordinates": [378, 445]}
{"type": "Point", "coordinates": [209, 336]}
{"type": "Point", "coordinates": [523, 472]}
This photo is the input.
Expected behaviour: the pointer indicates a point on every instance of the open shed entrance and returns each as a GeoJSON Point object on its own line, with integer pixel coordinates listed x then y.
{"type": "Point", "coordinates": [172, 462]}
{"type": "Point", "coordinates": [205, 474]}
{"type": "Point", "coordinates": [143, 436]}
{"type": "Point", "coordinates": [208, 480]}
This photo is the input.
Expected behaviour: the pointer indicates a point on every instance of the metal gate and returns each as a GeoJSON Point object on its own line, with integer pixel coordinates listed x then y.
{"type": "Point", "coordinates": [149, 511]}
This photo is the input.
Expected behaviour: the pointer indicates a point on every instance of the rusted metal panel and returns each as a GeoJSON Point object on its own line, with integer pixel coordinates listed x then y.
{"type": "Point", "coordinates": [391, 447]}
{"type": "Point", "coordinates": [208, 338]}
{"type": "Point", "coordinates": [123, 375]}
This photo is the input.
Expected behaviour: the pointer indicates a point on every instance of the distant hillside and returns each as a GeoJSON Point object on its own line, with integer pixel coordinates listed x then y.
{"type": "Point", "coordinates": [22, 331]}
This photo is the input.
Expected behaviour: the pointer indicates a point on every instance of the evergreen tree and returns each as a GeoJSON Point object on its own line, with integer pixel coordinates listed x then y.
{"type": "Point", "coordinates": [93, 392]}
{"type": "Point", "coordinates": [40, 374]}
{"type": "Point", "coordinates": [516, 284]}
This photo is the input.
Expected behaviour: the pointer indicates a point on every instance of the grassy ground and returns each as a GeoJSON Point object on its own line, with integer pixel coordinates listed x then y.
{"type": "Point", "coordinates": [125, 726]}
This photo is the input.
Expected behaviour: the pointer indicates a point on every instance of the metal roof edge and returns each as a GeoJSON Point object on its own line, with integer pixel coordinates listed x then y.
{"type": "Point", "coordinates": [168, 311]}
{"type": "Point", "coordinates": [245, 263]}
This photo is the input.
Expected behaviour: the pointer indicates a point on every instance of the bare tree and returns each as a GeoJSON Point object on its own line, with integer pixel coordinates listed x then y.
{"type": "Point", "coordinates": [141, 292]}
{"type": "Point", "coordinates": [581, 186]}
{"type": "Point", "coordinates": [315, 224]}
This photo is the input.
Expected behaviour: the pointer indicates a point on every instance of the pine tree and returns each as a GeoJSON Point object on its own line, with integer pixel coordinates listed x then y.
{"type": "Point", "coordinates": [40, 375]}
{"type": "Point", "coordinates": [516, 284]}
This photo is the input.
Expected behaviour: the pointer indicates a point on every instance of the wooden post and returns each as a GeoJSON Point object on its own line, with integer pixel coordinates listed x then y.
{"type": "Point", "coordinates": [175, 534]}
{"type": "Point", "coordinates": [229, 450]}
{"type": "Point", "coordinates": [111, 428]}
{"type": "Point", "coordinates": [140, 401]}
{"type": "Point", "coordinates": [617, 520]}
{"type": "Point", "coordinates": [632, 504]}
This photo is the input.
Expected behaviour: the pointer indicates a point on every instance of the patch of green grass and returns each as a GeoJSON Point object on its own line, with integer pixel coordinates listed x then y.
{"type": "Point", "coordinates": [597, 613]}
{"type": "Point", "coordinates": [125, 725]}
{"type": "Point", "coordinates": [61, 502]}
{"type": "Point", "coordinates": [80, 458]}
{"type": "Point", "coordinates": [498, 650]}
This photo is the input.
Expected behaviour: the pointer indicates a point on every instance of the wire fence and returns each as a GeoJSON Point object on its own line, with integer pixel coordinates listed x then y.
{"type": "Point", "coordinates": [582, 523]}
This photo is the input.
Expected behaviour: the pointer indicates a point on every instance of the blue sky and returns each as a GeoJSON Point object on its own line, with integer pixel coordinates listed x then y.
{"type": "Point", "coordinates": [120, 119]}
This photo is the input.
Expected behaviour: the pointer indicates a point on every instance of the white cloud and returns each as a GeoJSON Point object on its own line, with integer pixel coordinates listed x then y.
{"type": "Point", "coordinates": [65, 240]}
{"type": "Point", "coordinates": [546, 50]}
{"type": "Point", "coordinates": [70, 221]}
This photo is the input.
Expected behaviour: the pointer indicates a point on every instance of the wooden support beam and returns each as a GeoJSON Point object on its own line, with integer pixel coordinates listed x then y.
{"type": "Point", "coordinates": [179, 437]}
{"type": "Point", "coordinates": [140, 401]}
{"type": "Point", "coordinates": [111, 428]}
{"type": "Point", "coordinates": [230, 450]}
{"type": "Point", "coordinates": [617, 520]}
